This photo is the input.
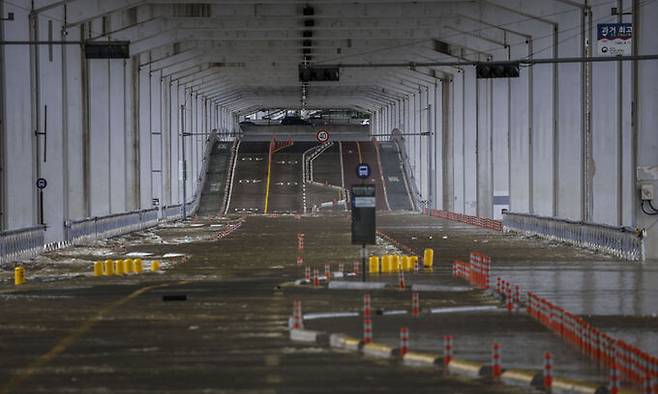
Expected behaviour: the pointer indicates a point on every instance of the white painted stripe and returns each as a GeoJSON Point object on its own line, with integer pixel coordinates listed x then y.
{"type": "Point", "coordinates": [329, 315]}
{"type": "Point", "coordinates": [458, 309]}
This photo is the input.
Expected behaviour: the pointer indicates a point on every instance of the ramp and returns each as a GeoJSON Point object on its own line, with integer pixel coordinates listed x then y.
{"type": "Point", "coordinates": [215, 188]}
{"type": "Point", "coordinates": [394, 178]}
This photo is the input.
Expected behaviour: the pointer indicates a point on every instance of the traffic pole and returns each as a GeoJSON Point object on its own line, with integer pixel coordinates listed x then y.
{"type": "Point", "coordinates": [548, 371]}
{"type": "Point", "coordinates": [404, 341]}
{"type": "Point", "coordinates": [316, 277]}
{"type": "Point", "coordinates": [447, 349]}
{"type": "Point", "coordinates": [496, 369]}
{"type": "Point", "coordinates": [297, 319]}
{"type": "Point", "coordinates": [367, 311]}
{"type": "Point", "coordinates": [415, 304]}
{"type": "Point", "coordinates": [367, 330]}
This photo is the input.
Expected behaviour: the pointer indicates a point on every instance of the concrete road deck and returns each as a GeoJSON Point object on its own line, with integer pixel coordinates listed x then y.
{"type": "Point", "coordinates": [116, 334]}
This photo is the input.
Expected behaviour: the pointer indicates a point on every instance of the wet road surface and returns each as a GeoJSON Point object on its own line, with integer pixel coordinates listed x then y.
{"type": "Point", "coordinates": [87, 335]}
{"type": "Point", "coordinates": [250, 179]}
{"type": "Point", "coordinates": [615, 295]}
{"type": "Point", "coordinates": [355, 153]}
{"type": "Point", "coordinates": [116, 334]}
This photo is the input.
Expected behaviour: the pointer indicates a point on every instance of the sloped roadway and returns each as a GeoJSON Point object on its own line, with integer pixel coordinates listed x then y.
{"type": "Point", "coordinates": [117, 335]}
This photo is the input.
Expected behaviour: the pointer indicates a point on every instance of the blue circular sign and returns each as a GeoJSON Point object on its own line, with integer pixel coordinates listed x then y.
{"type": "Point", "coordinates": [363, 171]}
{"type": "Point", "coordinates": [41, 183]}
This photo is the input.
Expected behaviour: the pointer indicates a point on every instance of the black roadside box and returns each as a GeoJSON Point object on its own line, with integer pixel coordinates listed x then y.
{"type": "Point", "coordinates": [363, 215]}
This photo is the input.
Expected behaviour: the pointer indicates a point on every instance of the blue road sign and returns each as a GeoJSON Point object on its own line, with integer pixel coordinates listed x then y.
{"type": "Point", "coordinates": [41, 183]}
{"type": "Point", "coordinates": [363, 171]}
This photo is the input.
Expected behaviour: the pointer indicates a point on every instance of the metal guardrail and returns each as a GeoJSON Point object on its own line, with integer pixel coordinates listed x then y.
{"type": "Point", "coordinates": [109, 226]}
{"type": "Point", "coordinates": [28, 242]}
{"type": "Point", "coordinates": [21, 243]}
{"type": "Point", "coordinates": [623, 242]}
{"type": "Point", "coordinates": [172, 212]}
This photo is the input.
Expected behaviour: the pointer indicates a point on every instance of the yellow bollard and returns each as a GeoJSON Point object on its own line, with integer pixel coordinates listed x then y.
{"type": "Point", "coordinates": [413, 262]}
{"type": "Point", "coordinates": [98, 268]}
{"type": "Point", "coordinates": [118, 267]}
{"type": "Point", "coordinates": [109, 268]}
{"type": "Point", "coordinates": [19, 276]}
{"type": "Point", "coordinates": [373, 264]}
{"type": "Point", "coordinates": [128, 266]}
{"type": "Point", "coordinates": [404, 263]}
{"type": "Point", "coordinates": [428, 258]}
{"type": "Point", "coordinates": [138, 266]}
{"type": "Point", "coordinates": [396, 263]}
{"type": "Point", "coordinates": [385, 263]}
{"type": "Point", "coordinates": [389, 263]}
{"type": "Point", "coordinates": [155, 266]}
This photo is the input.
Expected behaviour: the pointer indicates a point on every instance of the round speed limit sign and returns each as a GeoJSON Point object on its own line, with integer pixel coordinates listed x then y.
{"type": "Point", "coordinates": [322, 136]}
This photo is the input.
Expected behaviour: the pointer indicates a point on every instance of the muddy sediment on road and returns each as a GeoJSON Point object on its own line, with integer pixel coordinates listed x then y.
{"type": "Point", "coordinates": [230, 332]}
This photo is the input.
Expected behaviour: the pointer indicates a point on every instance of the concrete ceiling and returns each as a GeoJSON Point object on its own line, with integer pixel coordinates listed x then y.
{"type": "Point", "coordinates": [249, 51]}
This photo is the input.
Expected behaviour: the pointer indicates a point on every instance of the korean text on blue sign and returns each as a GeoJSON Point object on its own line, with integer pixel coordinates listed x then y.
{"type": "Point", "coordinates": [614, 31]}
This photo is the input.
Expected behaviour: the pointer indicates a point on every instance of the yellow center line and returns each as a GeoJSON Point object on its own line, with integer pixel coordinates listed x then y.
{"type": "Point", "coordinates": [23, 374]}
{"type": "Point", "coordinates": [358, 148]}
{"type": "Point", "coordinates": [267, 188]}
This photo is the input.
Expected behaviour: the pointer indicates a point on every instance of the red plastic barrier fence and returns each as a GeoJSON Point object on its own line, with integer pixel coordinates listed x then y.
{"type": "Point", "coordinates": [477, 271]}
{"type": "Point", "coordinates": [473, 220]}
{"type": "Point", "coordinates": [630, 362]}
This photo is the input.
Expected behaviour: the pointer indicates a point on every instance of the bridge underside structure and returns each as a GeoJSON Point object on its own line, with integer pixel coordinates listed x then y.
{"type": "Point", "coordinates": [569, 140]}
{"type": "Point", "coordinates": [172, 172]}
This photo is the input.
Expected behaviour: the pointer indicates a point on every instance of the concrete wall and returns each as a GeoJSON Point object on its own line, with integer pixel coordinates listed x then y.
{"type": "Point", "coordinates": [527, 144]}
{"type": "Point", "coordinates": [113, 126]}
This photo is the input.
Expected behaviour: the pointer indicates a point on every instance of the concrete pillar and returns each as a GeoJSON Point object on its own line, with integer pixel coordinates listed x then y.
{"type": "Point", "coordinates": [500, 117]}
{"type": "Point", "coordinates": [116, 126]}
{"type": "Point", "coordinates": [155, 136]}
{"type": "Point", "coordinates": [51, 146]}
{"type": "Point", "coordinates": [174, 127]}
{"type": "Point", "coordinates": [520, 131]}
{"type": "Point", "coordinates": [100, 144]}
{"type": "Point", "coordinates": [132, 134]}
{"type": "Point", "coordinates": [470, 142]}
{"type": "Point", "coordinates": [459, 134]}
{"type": "Point", "coordinates": [447, 144]}
{"type": "Point", "coordinates": [483, 148]}
{"type": "Point", "coordinates": [645, 92]}
{"type": "Point", "coordinates": [3, 152]}
{"type": "Point", "coordinates": [145, 119]}
{"type": "Point", "coordinates": [166, 137]}
{"type": "Point", "coordinates": [19, 141]}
